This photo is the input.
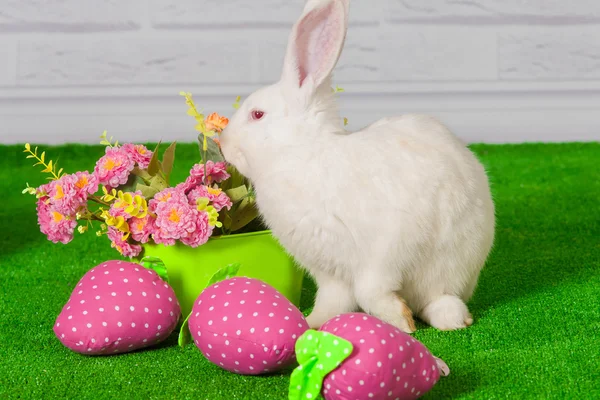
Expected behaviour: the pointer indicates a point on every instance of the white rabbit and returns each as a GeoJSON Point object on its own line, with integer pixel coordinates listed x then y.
{"type": "Point", "coordinates": [392, 218]}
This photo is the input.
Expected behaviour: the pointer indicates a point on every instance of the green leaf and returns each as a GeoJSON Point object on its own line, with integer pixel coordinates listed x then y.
{"type": "Point", "coordinates": [213, 153]}
{"type": "Point", "coordinates": [184, 333]}
{"type": "Point", "coordinates": [131, 184]}
{"type": "Point", "coordinates": [142, 173]}
{"type": "Point", "coordinates": [168, 160]}
{"type": "Point", "coordinates": [158, 183]}
{"type": "Point", "coordinates": [226, 220]}
{"type": "Point", "coordinates": [153, 167]}
{"type": "Point", "coordinates": [147, 191]}
{"type": "Point", "coordinates": [235, 179]}
{"type": "Point", "coordinates": [224, 273]}
{"type": "Point", "coordinates": [251, 191]}
{"type": "Point", "coordinates": [157, 265]}
{"type": "Point", "coordinates": [246, 213]}
{"type": "Point", "coordinates": [237, 194]}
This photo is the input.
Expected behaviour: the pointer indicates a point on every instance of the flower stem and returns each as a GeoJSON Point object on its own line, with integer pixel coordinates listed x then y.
{"type": "Point", "coordinates": [98, 200]}
{"type": "Point", "coordinates": [204, 179]}
{"type": "Point", "coordinates": [94, 217]}
{"type": "Point", "coordinates": [42, 162]}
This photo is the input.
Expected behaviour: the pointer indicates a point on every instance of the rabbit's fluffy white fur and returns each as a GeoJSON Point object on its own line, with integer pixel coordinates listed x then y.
{"type": "Point", "coordinates": [394, 219]}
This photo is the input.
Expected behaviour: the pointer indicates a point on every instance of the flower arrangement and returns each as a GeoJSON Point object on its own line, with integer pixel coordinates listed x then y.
{"type": "Point", "coordinates": [129, 196]}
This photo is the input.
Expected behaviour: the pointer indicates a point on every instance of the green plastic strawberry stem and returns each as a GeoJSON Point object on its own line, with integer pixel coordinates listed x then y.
{"type": "Point", "coordinates": [318, 354]}
{"type": "Point", "coordinates": [157, 265]}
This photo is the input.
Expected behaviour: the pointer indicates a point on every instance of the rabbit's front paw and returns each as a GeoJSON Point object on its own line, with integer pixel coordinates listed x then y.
{"type": "Point", "coordinates": [334, 297]}
{"type": "Point", "coordinates": [316, 320]}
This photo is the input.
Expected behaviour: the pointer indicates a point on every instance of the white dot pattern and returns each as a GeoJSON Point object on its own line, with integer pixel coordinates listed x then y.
{"type": "Point", "coordinates": [385, 362]}
{"type": "Point", "coordinates": [243, 320]}
{"type": "Point", "coordinates": [110, 303]}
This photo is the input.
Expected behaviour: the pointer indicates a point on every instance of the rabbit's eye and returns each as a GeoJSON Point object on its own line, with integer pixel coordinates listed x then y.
{"type": "Point", "coordinates": [257, 114]}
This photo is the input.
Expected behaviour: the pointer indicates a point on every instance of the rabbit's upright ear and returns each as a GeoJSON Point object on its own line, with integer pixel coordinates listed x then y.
{"type": "Point", "coordinates": [315, 44]}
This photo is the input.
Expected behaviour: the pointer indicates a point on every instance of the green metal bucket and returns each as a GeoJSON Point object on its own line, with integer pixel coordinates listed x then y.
{"type": "Point", "coordinates": [259, 254]}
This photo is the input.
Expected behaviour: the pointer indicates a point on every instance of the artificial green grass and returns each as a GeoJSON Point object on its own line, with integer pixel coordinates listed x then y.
{"type": "Point", "coordinates": [537, 308]}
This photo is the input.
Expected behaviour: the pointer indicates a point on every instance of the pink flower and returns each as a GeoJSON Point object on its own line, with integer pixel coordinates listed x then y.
{"type": "Point", "coordinates": [141, 228]}
{"type": "Point", "coordinates": [165, 195]}
{"type": "Point", "coordinates": [190, 183]}
{"type": "Point", "coordinates": [85, 184]}
{"type": "Point", "coordinates": [123, 246]}
{"type": "Point", "coordinates": [176, 218]}
{"type": "Point", "coordinates": [114, 167]}
{"type": "Point", "coordinates": [202, 232]}
{"type": "Point", "coordinates": [63, 195]}
{"type": "Point", "coordinates": [116, 210]}
{"type": "Point", "coordinates": [138, 153]}
{"type": "Point", "coordinates": [216, 172]}
{"type": "Point", "coordinates": [162, 237]}
{"type": "Point", "coordinates": [56, 226]}
{"type": "Point", "coordinates": [217, 197]}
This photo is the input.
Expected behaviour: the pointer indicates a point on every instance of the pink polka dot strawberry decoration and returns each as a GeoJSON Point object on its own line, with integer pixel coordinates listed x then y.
{"type": "Point", "coordinates": [246, 326]}
{"type": "Point", "coordinates": [358, 356]}
{"type": "Point", "coordinates": [118, 307]}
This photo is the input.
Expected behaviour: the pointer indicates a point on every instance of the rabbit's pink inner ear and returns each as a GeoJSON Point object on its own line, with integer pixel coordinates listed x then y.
{"type": "Point", "coordinates": [318, 42]}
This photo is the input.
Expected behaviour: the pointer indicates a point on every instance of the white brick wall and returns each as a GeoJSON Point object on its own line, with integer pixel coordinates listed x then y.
{"type": "Point", "coordinates": [70, 15]}
{"type": "Point", "coordinates": [499, 10]}
{"type": "Point", "coordinates": [550, 54]}
{"type": "Point", "coordinates": [511, 70]}
{"type": "Point", "coordinates": [433, 53]}
{"type": "Point", "coordinates": [8, 63]}
{"type": "Point", "coordinates": [279, 13]}
{"type": "Point", "coordinates": [134, 61]}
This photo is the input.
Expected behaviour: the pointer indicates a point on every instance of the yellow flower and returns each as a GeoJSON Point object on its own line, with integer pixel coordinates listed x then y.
{"type": "Point", "coordinates": [117, 222]}
{"type": "Point", "coordinates": [29, 190]}
{"type": "Point", "coordinates": [208, 127]}
{"type": "Point", "coordinates": [236, 105]}
{"type": "Point", "coordinates": [213, 214]}
{"type": "Point", "coordinates": [108, 196]}
{"type": "Point", "coordinates": [134, 205]}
